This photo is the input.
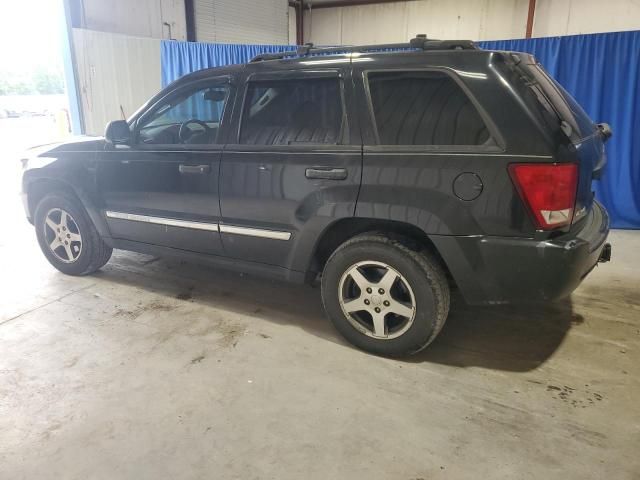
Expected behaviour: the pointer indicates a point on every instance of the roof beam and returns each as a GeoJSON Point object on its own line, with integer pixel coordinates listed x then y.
{"type": "Point", "coordinates": [347, 3]}
{"type": "Point", "coordinates": [530, 16]}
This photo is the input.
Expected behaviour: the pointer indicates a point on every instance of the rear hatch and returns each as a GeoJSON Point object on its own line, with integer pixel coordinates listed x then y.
{"type": "Point", "coordinates": [576, 136]}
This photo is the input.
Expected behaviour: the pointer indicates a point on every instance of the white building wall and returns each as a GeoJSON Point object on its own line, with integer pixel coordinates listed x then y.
{"type": "Point", "coordinates": [242, 21]}
{"type": "Point", "coordinates": [140, 18]}
{"type": "Point", "coordinates": [115, 73]}
{"type": "Point", "coordinates": [292, 25]}
{"type": "Point", "coordinates": [466, 19]}
{"type": "Point", "coordinates": [571, 17]}
{"type": "Point", "coordinates": [397, 22]}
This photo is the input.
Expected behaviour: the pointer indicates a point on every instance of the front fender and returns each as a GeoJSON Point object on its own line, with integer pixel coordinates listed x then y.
{"type": "Point", "coordinates": [71, 170]}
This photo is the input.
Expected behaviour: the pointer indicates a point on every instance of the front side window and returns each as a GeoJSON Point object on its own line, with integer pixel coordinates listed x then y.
{"type": "Point", "coordinates": [289, 112]}
{"type": "Point", "coordinates": [189, 117]}
{"type": "Point", "coordinates": [424, 108]}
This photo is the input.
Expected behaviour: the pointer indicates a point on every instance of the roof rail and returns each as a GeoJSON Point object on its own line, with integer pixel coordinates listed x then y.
{"type": "Point", "coordinates": [420, 42]}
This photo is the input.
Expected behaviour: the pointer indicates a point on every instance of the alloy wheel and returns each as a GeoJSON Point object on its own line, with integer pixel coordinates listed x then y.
{"type": "Point", "coordinates": [377, 300]}
{"type": "Point", "coordinates": [62, 235]}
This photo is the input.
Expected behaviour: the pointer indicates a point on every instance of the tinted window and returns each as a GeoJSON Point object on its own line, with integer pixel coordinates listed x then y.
{"type": "Point", "coordinates": [286, 112]}
{"type": "Point", "coordinates": [190, 117]}
{"type": "Point", "coordinates": [423, 108]}
{"type": "Point", "coordinates": [564, 104]}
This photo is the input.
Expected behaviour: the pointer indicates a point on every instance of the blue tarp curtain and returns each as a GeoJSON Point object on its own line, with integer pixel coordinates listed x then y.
{"type": "Point", "coordinates": [179, 58]}
{"type": "Point", "coordinates": [602, 71]}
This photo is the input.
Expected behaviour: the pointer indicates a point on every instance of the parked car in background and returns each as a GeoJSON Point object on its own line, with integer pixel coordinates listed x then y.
{"type": "Point", "coordinates": [391, 176]}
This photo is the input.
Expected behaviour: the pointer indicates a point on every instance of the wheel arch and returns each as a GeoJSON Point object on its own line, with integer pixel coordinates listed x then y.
{"type": "Point", "coordinates": [343, 229]}
{"type": "Point", "coordinates": [38, 188]}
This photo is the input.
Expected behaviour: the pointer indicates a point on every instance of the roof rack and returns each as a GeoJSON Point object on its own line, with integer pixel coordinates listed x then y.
{"type": "Point", "coordinates": [420, 42]}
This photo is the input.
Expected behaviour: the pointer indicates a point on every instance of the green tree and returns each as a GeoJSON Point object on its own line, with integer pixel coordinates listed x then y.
{"type": "Point", "coordinates": [44, 81]}
{"type": "Point", "coordinates": [48, 82]}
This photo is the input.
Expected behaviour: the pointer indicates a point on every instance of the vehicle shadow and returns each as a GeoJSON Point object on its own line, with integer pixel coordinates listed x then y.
{"type": "Point", "coordinates": [505, 337]}
{"type": "Point", "coordinates": [509, 338]}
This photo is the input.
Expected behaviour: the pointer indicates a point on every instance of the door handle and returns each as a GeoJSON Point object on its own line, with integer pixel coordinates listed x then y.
{"type": "Point", "coordinates": [194, 169]}
{"type": "Point", "coordinates": [326, 173]}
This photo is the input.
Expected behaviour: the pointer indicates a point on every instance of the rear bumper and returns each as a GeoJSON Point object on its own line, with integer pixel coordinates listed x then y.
{"type": "Point", "coordinates": [496, 270]}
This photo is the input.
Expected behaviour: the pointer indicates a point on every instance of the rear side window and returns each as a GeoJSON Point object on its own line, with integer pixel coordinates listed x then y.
{"type": "Point", "coordinates": [424, 108]}
{"type": "Point", "coordinates": [288, 112]}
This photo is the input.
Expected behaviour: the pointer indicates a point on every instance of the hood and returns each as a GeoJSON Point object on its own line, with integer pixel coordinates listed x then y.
{"type": "Point", "coordinates": [79, 143]}
{"type": "Point", "coordinates": [42, 155]}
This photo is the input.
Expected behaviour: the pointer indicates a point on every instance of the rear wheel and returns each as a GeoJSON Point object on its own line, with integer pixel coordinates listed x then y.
{"type": "Point", "coordinates": [384, 296]}
{"type": "Point", "coordinates": [67, 236]}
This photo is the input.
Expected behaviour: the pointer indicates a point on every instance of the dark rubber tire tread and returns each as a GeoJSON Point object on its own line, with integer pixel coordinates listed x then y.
{"type": "Point", "coordinates": [95, 252]}
{"type": "Point", "coordinates": [418, 265]}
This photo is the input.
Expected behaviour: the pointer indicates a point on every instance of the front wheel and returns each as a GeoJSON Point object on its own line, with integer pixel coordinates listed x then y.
{"type": "Point", "coordinates": [384, 296]}
{"type": "Point", "coordinates": [67, 237]}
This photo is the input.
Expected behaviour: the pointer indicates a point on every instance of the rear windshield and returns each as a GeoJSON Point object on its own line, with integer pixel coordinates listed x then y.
{"type": "Point", "coordinates": [562, 104]}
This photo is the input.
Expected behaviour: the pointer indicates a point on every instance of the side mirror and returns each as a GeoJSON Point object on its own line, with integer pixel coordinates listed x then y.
{"type": "Point", "coordinates": [118, 133]}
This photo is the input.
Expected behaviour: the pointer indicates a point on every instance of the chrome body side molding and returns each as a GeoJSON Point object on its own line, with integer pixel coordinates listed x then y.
{"type": "Point", "coordinates": [213, 227]}
{"type": "Point", "coordinates": [255, 232]}
{"type": "Point", "coordinates": [172, 222]}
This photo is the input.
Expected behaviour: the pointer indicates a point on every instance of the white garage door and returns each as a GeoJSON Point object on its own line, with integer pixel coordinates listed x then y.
{"type": "Point", "coordinates": [242, 21]}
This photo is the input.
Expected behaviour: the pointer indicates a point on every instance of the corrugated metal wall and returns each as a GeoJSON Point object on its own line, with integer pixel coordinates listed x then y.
{"type": "Point", "coordinates": [122, 71]}
{"type": "Point", "coordinates": [586, 16]}
{"type": "Point", "coordinates": [397, 22]}
{"type": "Point", "coordinates": [114, 71]}
{"type": "Point", "coordinates": [141, 18]}
{"type": "Point", "coordinates": [245, 21]}
{"type": "Point", "coordinates": [292, 25]}
{"type": "Point", "coordinates": [472, 19]}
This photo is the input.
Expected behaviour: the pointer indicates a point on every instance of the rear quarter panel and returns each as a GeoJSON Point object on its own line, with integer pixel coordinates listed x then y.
{"type": "Point", "coordinates": [414, 184]}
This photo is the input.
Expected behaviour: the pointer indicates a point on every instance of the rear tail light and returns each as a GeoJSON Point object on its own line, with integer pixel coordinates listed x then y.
{"type": "Point", "coordinates": [548, 190]}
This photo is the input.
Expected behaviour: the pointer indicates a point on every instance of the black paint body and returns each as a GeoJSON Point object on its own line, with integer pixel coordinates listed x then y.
{"type": "Point", "coordinates": [488, 243]}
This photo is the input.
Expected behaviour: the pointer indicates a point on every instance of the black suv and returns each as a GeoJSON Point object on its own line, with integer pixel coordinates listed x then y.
{"type": "Point", "coordinates": [391, 175]}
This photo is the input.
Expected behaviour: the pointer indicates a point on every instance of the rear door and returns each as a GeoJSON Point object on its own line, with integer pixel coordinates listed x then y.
{"type": "Point", "coordinates": [163, 188]}
{"type": "Point", "coordinates": [292, 168]}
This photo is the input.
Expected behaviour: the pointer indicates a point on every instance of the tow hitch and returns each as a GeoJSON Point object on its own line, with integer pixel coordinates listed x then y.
{"type": "Point", "coordinates": [605, 255]}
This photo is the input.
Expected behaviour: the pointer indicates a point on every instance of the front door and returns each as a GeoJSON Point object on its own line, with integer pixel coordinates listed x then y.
{"type": "Point", "coordinates": [292, 169]}
{"type": "Point", "coordinates": [163, 188]}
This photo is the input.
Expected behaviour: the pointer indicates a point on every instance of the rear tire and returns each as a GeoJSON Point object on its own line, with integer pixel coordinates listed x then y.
{"type": "Point", "coordinates": [385, 297]}
{"type": "Point", "coordinates": [67, 237]}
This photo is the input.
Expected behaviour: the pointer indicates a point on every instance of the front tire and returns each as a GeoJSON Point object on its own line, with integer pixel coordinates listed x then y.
{"type": "Point", "coordinates": [67, 237]}
{"type": "Point", "coordinates": [383, 296]}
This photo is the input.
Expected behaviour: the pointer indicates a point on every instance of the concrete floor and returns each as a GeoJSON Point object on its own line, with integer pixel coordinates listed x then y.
{"type": "Point", "coordinates": [160, 369]}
